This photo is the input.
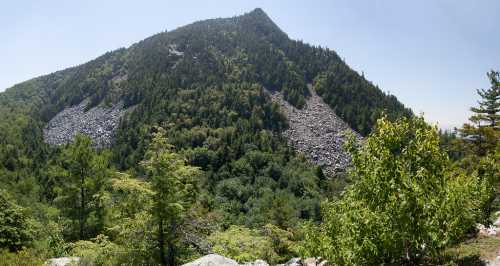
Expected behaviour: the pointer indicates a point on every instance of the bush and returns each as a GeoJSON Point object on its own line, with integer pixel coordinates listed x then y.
{"type": "Point", "coordinates": [242, 244]}
{"type": "Point", "coordinates": [405, 205]}
{"type": "Point", "coordinates": [22, 257]}
{"type": "Point", "coordinates": [15, 230]}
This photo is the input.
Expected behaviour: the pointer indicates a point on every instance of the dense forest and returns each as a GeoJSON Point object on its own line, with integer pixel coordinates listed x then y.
{"type": "Point", "coordinates": [199, 163]}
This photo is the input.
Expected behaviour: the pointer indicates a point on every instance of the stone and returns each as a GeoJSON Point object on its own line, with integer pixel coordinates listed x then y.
{"type": "Point", "coordinates": [492, 231]}
{"type": "Point", "coordinates": [309, 262]}
{"type": "Point", "coordinates": [294, 262]}
{"type": "Point", "coordinates": [63, 261]}
{"type": "Point", "coordinates": [317, 132]}
{"type": "Point", "coordinates": [257, 263]}
{"type": "Point", "coordinates": [99, 123]}
{"type": "Point", "coordinates": [323, 263]}
{"type": "Point", "coordinates": [497, 222]}
{"type": "Point", "coordinates": [212, 260]}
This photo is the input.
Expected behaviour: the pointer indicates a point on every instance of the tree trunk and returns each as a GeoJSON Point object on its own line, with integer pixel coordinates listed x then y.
{"type": "Point", "coordinates": [170, 244]}
{"type": "Point", "coordinates": [82, 207]}
{"type": "Point", "coordinates": [171, 254]}
{"type": "Point", "coordinates": [161, 243]}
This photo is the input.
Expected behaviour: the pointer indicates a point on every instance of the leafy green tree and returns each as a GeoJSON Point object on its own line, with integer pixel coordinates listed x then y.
{"type": "Point", "coordinates": [172, 181]}
{"type": "Point", "coordinates": [132, 222]}
{"type": "Point", "coordinates": [15, 230]}
{"type": "Point", "coordinates": [405, 204]}
{"type": "Point", "coordinates": [243, 244]}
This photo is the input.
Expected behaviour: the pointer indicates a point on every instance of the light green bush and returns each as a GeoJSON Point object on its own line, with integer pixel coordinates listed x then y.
{"type": "Point", "coordinates": [405, 205]}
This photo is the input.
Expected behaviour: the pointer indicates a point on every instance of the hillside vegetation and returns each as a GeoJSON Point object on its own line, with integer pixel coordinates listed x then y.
{"type": "Point", "coordinates": [200, 162]}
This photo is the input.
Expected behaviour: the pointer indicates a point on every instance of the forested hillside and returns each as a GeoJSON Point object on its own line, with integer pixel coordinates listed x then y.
{"type": "Point", "coordinates": [199, 162]}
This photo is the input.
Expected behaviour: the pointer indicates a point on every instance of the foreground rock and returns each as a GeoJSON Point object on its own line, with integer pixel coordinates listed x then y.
{"type": "Point", "coordinates": [215, 259]}
{"type": "Point", "coordinates": [99, 123]}
{"type": "Point", "coordinates": [63, 261]}
{"type": "Point", "coordinates": [495, 262]}
{"type": "Point", "coordinates": [317, 132]}
{"type": "Point", "coordinates": [212, 260]}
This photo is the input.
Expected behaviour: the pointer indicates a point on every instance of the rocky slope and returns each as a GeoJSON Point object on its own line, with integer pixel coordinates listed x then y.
{"type": "Point", "coordinates": [316, 132]}
{"type": "Point", "coordinates": [99, 123]}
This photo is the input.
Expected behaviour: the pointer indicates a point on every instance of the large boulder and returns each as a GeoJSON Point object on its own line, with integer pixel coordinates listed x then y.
{"type": "Point", "coordinates": [256, 263]}
{"type": "Point", "coordinates": [63, 261]}
{"type": "Point", "coordinates": [213, 260]}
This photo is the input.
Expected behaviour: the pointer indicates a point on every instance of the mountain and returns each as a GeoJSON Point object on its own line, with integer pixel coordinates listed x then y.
{"type": "Point", "coordinates": [243, 49]}
{"type": "Point", "coordinates": [236, 96]}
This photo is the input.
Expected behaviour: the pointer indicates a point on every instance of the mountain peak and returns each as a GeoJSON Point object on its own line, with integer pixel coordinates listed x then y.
{"type": "Point", "coordinates": [260, 22]}
{"type": "Point", "coordinates": [258, 12]}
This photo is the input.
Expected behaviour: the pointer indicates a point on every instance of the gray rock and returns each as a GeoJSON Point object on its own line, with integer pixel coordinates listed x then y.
{"type": "Point", "coordinates": [294, 261]}
{"type": "Point", "coordinates": [257, 263]}
{"type": "Point", "coordinates": [310, 262]}
{"type": "Point", "coordinates": [213, 260]}
{"type": "Point", "coordinates": [495, 262]}
{"type": "Point", "coordinates": [317, 132]}
{"type": "Point", "coordinates": [63, 261]}
{"type": "Point", "coordinates": [99, 123]}
{"type": "Point", "coordinates": [323, 263]}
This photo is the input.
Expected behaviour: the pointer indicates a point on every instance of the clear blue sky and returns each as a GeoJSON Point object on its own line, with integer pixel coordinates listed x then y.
{"type": "Point", "coordinates": [431, 54]}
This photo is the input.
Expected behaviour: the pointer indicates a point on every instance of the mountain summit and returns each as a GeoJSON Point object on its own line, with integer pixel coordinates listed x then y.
{"type": "Point", "coordinates": [115, 95]}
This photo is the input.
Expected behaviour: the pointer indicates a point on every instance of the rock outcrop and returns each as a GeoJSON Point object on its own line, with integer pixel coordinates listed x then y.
{"type": "Point", "coordinates": [99, 123]}
{"type": "Point", "coordinates": [215, 259]}
{"type": "Point", "coordinates": [212, 260]}
{"type": "Point", "coordinates": [63, 261]}
{"type": "Point", "coordinates": [317, 132]}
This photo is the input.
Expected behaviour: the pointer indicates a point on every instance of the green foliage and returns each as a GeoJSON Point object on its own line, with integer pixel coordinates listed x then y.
{"type": "Point", "coordinates": [98, 251]}
{"type": "Point", "coordinates": [15, 229]}
{"type": "Point", "coordinates": [212, 103]}
{"type": "Point", "coordinates": [489, 106]}
{"type": "Point", "coordinates": [231, 134]}
{"type": "Point", "coordinates": [131, 225]}
{"type": "Point", "coordinates": [82, 196]}
{"type": "Point", "coordinates": [270, 243]}
{"type": "Point", "coordinates": [357, 101]}
{"type": "Point", "coordinates": [174, 192]}
{"type": "Point", "coordinates": [405, 204]}
{"type": "Point", "coordinates": [479, 144]}
{"type": "Point", "coordinates": [242, 244]}
{"type": "Point", "coordinates": [24, 257]}
{"type": "Point", "coordinates": [482, 138]}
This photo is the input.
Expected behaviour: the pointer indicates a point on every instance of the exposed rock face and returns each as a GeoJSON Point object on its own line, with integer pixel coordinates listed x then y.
{"type": "Point", "coordinates": [215, 259]}
{"type": "Point", "coordinates": [257, 263]}
{"type": "Point", "coordinates": [63, 261]}
{"type": "Point", "coordinates": [212, 260]}
{"type": "Point", "coordinates": [317, 132]}
{"type": "Point", "coordinates": [99, 123]}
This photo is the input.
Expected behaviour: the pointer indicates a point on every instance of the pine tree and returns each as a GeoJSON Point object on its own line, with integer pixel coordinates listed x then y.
{"type": "Point", "coordinates": [489, 106]}
{"type": "Point", "coordinates": [82, 195]}
{"type": "Point", "coordinates": [483, 133]}
{"type": "Point", "coordinates": [174, 192]}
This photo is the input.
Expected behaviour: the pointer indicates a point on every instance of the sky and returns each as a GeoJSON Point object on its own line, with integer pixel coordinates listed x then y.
{"type": "Point", "coordinates": [431, 54]}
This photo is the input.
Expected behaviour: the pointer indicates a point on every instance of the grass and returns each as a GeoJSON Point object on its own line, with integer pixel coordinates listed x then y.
{"type": "Point", "coordinates": [484, 247]}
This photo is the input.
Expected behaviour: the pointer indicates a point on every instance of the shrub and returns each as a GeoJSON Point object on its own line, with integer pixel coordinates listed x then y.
{"type": "Point", "coordinates": [405, 204]}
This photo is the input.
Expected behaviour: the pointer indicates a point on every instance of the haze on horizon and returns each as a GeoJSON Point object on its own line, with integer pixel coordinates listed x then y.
{"type": "Point", "coordinates": [432, 55]}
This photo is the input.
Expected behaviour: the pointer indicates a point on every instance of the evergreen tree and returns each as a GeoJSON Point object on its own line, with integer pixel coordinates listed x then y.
{"type": "Point", "coordinates": [82, 195]}
{"type": "Point", "coordinates": [489, 106]}
{"type": "Point", "coordinates": [484, 132]}
{"type": "Point", "coordinates": [174, 192]}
